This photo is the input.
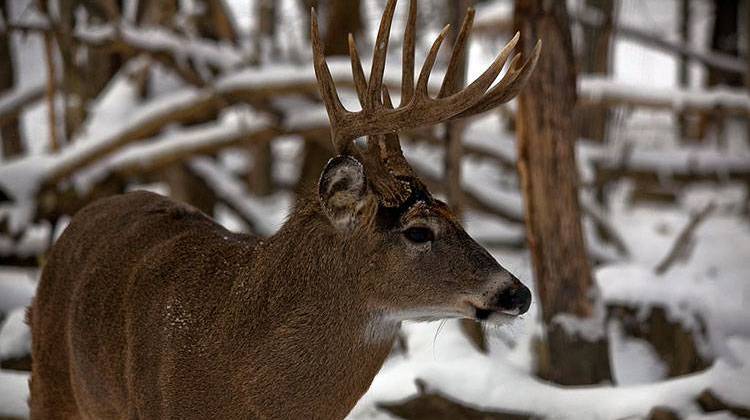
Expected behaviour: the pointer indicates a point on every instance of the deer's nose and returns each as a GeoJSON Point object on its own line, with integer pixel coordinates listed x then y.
{"type": "Point", "coordinates": [513, 300]}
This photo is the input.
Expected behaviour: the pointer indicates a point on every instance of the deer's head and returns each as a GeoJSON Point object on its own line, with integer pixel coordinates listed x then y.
{"type": "Point", "coordinates": [373, 196]}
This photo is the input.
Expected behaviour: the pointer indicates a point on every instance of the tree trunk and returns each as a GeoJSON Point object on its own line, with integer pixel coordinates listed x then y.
{"type": "Point", "coordinates": [549, 180]}
{"type": "Point", "coordinates": [216, 22]}
{"type": "Point", "coordinates": [10, 133]}
{"type": "Point", "coordinates": [260, 175]}
{"type": "Point", "coordinates": [343, 17]}
{"type": "Point", "coordinates": [452, 138]}
{"type": "Point", "coordinates": [187, 187]}
{"type": "Point", "coordinates": [265, 36]}
{"type": "Point", "coordinates": [683, 120]}
{"type": "Point", "coordinates": [595, 59]}
{"type": "Point", "coordinates": [724, 39]}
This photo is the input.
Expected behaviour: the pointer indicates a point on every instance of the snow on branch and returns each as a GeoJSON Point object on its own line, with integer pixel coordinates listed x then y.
{"type": "Point", "coordinates": [684, 240]}
{"type": "Point", "coordinates": [14, 101]}
{"type": "Point", "coordinates": [173, 49]}
{"type": "Point", "coordinates": [684, 163]}
{"type": "Point", "coordinates": [154, 40]}
{"type": "Point", "coordinates": [233, 127]}
{"type": "Point", "coordinates": [602, 91]}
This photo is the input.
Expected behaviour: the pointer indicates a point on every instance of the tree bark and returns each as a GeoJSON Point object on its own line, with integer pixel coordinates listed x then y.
{"type": "Point", "coordinates": [187, 187]}
{"type": "Point", "coordinates": [10, 133]}
{"type": "Point", "coordinates": [595, 59]}
{"type": "Point", "coordinates": [549, 180]}
{"type": "Point", "coordinates": [724, 39]}
{"type": "Point", "coordinates": [452, 138]}
{"type": "Point", "coordinates": [344, 17]}
{"type": "Point", "coordinates": [217, 23]}
{"type": "Point", "coordinates": [454, 129]}
{"type": "Point", "coordinates": [684, 64]}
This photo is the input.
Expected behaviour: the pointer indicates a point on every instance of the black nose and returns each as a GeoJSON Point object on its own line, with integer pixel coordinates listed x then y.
{"type": "Point", "coordinates": [514, 298]}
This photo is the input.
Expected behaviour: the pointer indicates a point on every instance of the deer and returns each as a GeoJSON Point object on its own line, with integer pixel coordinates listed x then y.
{"type": "Point", "coordinates": [147, 308]}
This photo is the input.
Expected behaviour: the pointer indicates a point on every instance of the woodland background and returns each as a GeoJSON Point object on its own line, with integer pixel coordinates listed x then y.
{"type": "Point", "coordinates": [626, 162]}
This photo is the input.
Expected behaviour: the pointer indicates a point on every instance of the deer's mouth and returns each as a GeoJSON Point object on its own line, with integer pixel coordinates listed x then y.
{"type": "Point", "coordinates": [487, 314]}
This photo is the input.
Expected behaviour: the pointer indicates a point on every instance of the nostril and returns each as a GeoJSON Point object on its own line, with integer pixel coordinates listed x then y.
{"type": "Point", "coordinates": [515, 299]}
{"type": "Point", "coordinates": [524, 299]}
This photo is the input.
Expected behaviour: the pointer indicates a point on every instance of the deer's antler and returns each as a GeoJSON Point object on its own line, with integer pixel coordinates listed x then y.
{"type": "Point", "coordinates": [380, 121]}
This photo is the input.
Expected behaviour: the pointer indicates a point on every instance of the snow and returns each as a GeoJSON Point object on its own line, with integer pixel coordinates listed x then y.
{"type": "Point", "coordinates": [14, 393]}
{"type": "Point", "coordinates": [636, 361]}
{"type": "Point", "coordinates": [15, 335]}
{"type": "Point", "coordinates": [233, 126]}
{"type": "Point", "coordinates": [11, 100]}
{"type": "Point", "coordinates": [489, 382]}
{"type": "Point", "coordinates": [17, 287]}
{"type": "Point", "coordinates": [156, 40]}
{"type": "Point", "coordinates": [604, 89]}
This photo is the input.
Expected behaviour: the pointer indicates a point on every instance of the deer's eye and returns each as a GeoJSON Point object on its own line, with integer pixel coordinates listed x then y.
{"type": "Point", "coordinates": [419, 234]}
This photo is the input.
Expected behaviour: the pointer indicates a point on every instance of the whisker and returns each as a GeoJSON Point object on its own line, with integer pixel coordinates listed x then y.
{"type": "Point", "coordinates": [434, 339]}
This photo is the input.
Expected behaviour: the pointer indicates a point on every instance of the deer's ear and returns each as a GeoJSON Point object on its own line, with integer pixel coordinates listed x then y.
{"type": "Point", "coordinates": [343, 192]}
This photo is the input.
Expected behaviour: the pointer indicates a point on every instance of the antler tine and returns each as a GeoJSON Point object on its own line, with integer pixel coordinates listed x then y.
{"type": "Point", "coordinates": [429, 62]}
{"type": "Point", "coordinates": [326, 85]}
{"type": "Point", "coordinates": [509, 86]}
{"type": "Point", "coordinates": [473, 93]}
{"type": "Point", "coordinates": [407, 60]}
{"type": "Point", "coordinates": [458, 56]}
{"type": "Point", "coordinates": [379, 54]}
{"type": "Point", "coordinates": [360, 84]}
{"type": "Point", "coordinates": [390, 146]}
{"type": "Point", "coordinates": [443, 109]}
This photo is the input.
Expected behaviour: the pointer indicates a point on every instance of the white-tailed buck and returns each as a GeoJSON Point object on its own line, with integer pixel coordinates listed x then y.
{"type": "Point", "coordinates": [148, 309]}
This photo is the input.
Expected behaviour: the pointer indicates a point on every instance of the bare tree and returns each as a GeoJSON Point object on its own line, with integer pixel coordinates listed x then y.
{"type": "Point", "coordinates": [9, 130]}
{"type": "Point", "coordinates": [684, 68]}
{"type": "Point", "coordinates": [724, 39]}
{"type": "Point", "coordinates": [452, 138]}
{"type": "Point", "coordinates": [260, 180]}
{"type": "Point", "coordinates": [547, 169]}
{"type": "Point", "coordinates": [595, 59]}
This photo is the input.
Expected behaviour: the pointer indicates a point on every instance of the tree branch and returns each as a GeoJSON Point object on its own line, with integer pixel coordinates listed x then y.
{"type": "Point", "coordinates": [684, 240]}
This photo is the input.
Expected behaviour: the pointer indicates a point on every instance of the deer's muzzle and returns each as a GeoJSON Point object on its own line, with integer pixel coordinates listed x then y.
{"type": "Point", "coordinates": [511, 298]}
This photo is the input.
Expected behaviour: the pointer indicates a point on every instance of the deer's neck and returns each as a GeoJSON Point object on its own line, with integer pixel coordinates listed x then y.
{"type": "Point", "coordinates": [312, 311]}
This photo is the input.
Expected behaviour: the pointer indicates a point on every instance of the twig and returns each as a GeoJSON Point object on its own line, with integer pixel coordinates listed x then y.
{"type": "Point", "coordinates": [51, 91]}
{"type": "Point", "coordinates": [13, 102]}
{"type": "Point", "coordinates": [682, 243]}
{"type": "Point", "coordinates": [592, 210]}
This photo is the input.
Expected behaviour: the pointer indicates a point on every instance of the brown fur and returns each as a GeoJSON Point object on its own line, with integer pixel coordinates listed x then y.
{"type": "Point", "coordinates": [149, 309]}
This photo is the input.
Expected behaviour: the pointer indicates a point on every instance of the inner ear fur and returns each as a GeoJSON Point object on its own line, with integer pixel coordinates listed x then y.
{"type": "Point", "coordinates": [344, 194]}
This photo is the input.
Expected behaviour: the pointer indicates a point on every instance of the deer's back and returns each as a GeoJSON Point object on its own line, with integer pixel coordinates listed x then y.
{"type": "Point", "coordinates": [130, 298]}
